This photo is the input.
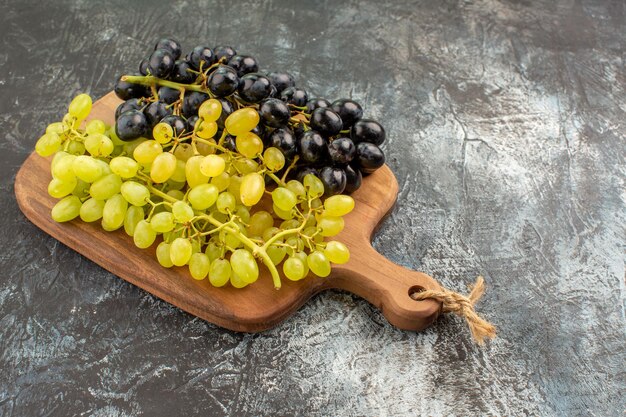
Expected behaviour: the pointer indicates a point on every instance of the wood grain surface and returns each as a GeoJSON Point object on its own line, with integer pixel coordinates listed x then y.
{"type": "Point", "coordinates": [258, 306]}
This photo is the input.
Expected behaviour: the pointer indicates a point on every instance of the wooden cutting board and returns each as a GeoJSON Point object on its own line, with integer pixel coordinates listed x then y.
{"type": "Point", "coordinates": [258, 306]}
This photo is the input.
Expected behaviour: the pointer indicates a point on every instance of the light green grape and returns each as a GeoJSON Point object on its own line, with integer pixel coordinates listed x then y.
{"type": "Point", "coordinates": [249, 144]}
{"type": "Point", "coordinates": [274, 159]}
{"type": "Point", "coordinates": [62, 168]}
{"type": "Point", "coordinates": [312, 231]}
{"type": "Point", "coordinates": [48, 144]}
{"type": "Point", "coordinates": [205, 130]}
{"type": "Point", "coordinates": [86, 168]}
{"type": "Point", "coordinates": [80, 107]}
{"type": "Point", "coordinates": [258, 222]}
{"type": "Point", "coordinates": [66, 209]}
{"type": "Point", "coordinates": [219, 272]}
{"type": "Point", "coordinates": [252, 189]}
{"type": "Point", "coordinates": [133, 216]}
{"type": "Point", "coordinates": [338, 205]}
{"type": "Point", "coordinates": [81, 190]}
{"type": "Point", "coordinates": [195, 177]}
{"type": "Point", "coordinates": [163, 133]}
{"type": "Point", "coordinates": [284, 198]}
{"type": "Point", "coordinates": [303, 257]}
{"type": "Point", "coordinates": [294, 269]}
{"type": "Point", "coordinates": [184, 151]}
{"type": "Point", "coordinates": [319, 263]}
{"type": "Point", "coordinates": [313, 185]}
{"type": "Point", "coordinates": [163, 167]}
{"type": "Point", "coordinates": [58, 188]}
{"type": "Point", "coordinates": [163, 254]}
{"type": "Point", "coordinates": [106, 187]}
{"type": "Point", "coordinates": [98, 144]}
{"type": "Point", "coordinates": [135, 193]}
{"type": "Point", "coordinates": [182, 212]}
{"type": "Point", "coordinates": [203, 196]}
{"type": "Point", "coordinates": [114, 212]}
{"type": "Point", "coordinates": [222, 181]}
{"type": "Point", "coordinates": [269, 233]}
{"type": "Point", "coordinates": [162, 222]}
{"type": "Point", "coordinates": [236, 281]}
{"type": "Point", "coordinates": [56, 127]}
{"type": "Point", "coordinates": [179, 174]}
{"type": "Point", "coordinates": [199, 266]}
{"type": "Point", "coordinates": [297, 188]}
{"type": "Point", "coordinates": [147, 151]}
{"type": "Point", "coordinates": [330, 226]}
{"type": "Point", "coordinates": [212, 165]}
{"type": "Point", "coordinates": [226, 202]}
{"type": "Point", "coordinates": [144, 235]}
{"type": "Point", "coordinates": [276, 253]}
{"type": "Point", "coordinates": [283, 214]}
{"type": "Point", "coordinates": [177, 194]}
{"type": "Point", "coordinates": [75, 147]}
{"type": "Point", "coordinates": [124, 166]}
{"type": "Point", "coordinates": [180, 251]}
{"type": "Point", "coordinates": [245, 165]}
{"type": "Point", "coordinates": [213, 251]}
{"type": "Point", "coordinates": [91, 210]}
{"type": "Point", "coordinates": [244, 213]}
{"type": "Point", "coordinates": [210, 110]}
{"type": "Point", "coordinates": [95, 126]}
{"type": "Point", "coordinates": [337, 252]}
{"type": "Point", "coordinates": [242, 121]}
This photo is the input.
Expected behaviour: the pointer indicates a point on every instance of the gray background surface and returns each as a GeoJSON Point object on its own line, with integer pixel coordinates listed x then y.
{"type": "Point", "coordinates": [506, 132]}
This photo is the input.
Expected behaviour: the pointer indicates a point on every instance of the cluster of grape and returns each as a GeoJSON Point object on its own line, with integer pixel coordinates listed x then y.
{"type": "Point", "coordinates": [329, 140]}
{"type": "Point", "coordinates": [203, 198]}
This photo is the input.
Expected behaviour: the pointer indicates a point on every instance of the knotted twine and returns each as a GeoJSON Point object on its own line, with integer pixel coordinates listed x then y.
{"type": "Point", "coordinates": [462, 306]}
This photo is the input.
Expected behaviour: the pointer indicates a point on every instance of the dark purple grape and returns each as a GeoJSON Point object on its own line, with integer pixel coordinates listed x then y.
{"type": "Point", "coordinates": [334, 180]}
{"type": "Point", "coordinates": [161, 63]}
{"type": "Point", "coordinates": [296, 96]}
{"type": "Point", "coordinates": [349, 110]}
{"type": "Point", "coordinates": [192, 102]}
{"type": "Point", "coordinates": [143, 66]}
{"type": "Point", "coordinates": [155, 112]}
{"type": "Point", "coordinates": [171, 45]}
{"type": "Point", "coordinates": [281, 80]}
{"type": "Point", "coordinates": [132, 104]}
{"type": "Point", "coordinates": [223, 81]}
{"type": "Point", "coordinates": [181, 72]}
{"type": "Point", "coordinates": [284, 140]}
{"type": "Point", "coordinates": [178, 124]}
{"type": "Point", "coordinates": [227, 110]}
{"type": "Point", "coordinates": [366, 130]}
{"type": "Point", "coordinates": [259, 130]}
{"type": "Point", "coordinates": [191, 123]}
{"type": "Point", "coordinates": [312, 147]}
{"type": "Point", "coordinates": [168, 95]}
{"type": "Point", "coordinates": [131, 125]}
{"type": "Point", "coordinates": [353, 179]}
{"type": "Point", "coordinates": [369, 157]}
{"type": "Point", "coordinates": [201, 55]}
{"type": "Point", "coordinates": [316, 103]}
{"type": "Point", "coordinates": [243, 64]}
{"type": "Point", "coordinates": [229, 143]}
{"type": "Point", "coordinates": [304, 171]}
{"type": "Point", "coordinates": [254, 87]}
{"type": "Point", "coordinates": [126, 90]}
{"type": "Point", "coordinates": [326, 122]}
{"type": "Point", "coordinates": [274, 112]}
{"type": "Point", "coordinates": [341, 150]}
{"type": "Point", "coordinates": [224, 53]}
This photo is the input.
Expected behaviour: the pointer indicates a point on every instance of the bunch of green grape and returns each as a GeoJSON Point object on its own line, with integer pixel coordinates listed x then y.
{"type": "Point", "coordinates": [199, 203]}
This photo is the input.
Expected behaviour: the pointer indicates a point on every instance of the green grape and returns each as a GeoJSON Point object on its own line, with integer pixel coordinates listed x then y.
{"type": "Point", "coordinates": [283, 214]}
{"type": "Point", "coordinates": [249, 144]}
{"type": "Point", "coordinates": [144, 235]}
{"type": "Point", "coordinates": [276, 253]}
{"type": "Point", "coordinates": [81, 190]}
{"type": "Point", "coordinates": [104, 166]}
{"type": "Point", "coordinates": [106, 187]}
{"type": "Point", "coordinates": [124, 166]}
{"type": "Point", "coordinates": [330, 226]}
{"type": "Point", "coordinates": [179, 174]}
{"type": "Point", "coordinates": [252, 189]}
{"type": "Point", "coordinates": [303, 257]}
{"type": "Point", "coordinates": [86, 168]}
{"type": "Point", "coordinates": [337, 252]}
{"type": "Point", "coordinates": [70, 121]}
{"type": "Point", "coordinates": [274, 159]}
{"type": "Point", "coordinates": [56, 158]}
{"type": "Point", "coordinates": [219, 272]}
{"type": "Point", "coordinates": [75, 147]}
{"type": "Point", "coordinates": [66, 209]}
{"type": "Point", "coordinates": [241, 121]}
{"type": "Point", "coordinates": [207, 148]}
{"type": "Point", "coordinates": [269, 233]}
{"type": "Point", "coordinates": [129, 147]}
{"type": "Point", "coordinates": [226, 202]}
{"type": "Point", "coordinates": [203, 196]}
{"type": "Point", "coordinates": [184, 151]}
{"type": "Point", "coordinates": [91, 210]}
{"type": "Point", "coordinates": [80, 107]}
{"type": "Point", "coordinates": [258, 222]}
{"type": "Point", "coordinates": [284, 198]}
{"type": "Point", "coordinates": [296, 244]}
{"type": "Point", "coordinates": [163, 167]}
{"type": "Point", "coordinates": [312, 232]}
{"type": "Point", "coordinates": [117, 141]}
{"type": "Point", "coordinates": [243, 213]}
{"type": "Point", "coordinates": [212, 165]}
{"type": "Point", "coordinates": [195, 177]}
{"type": "Point", "coordinates": [163, 133]}
{"type": "Point", "coordinates": [133, 216]}
{"type": "Point", "coordinates": [213, 251]}
{"type": "Point", "coordinates": [222, 181]}
{"type": "Point", "coordinates": [163, 254]}
{"type": "Point", "coordinates": [210, 110]}
{"type": "Point", "coordinates": [290, 224]}
{"type": "Point", "coordinates": [245, 166]}
{"type": "Point", "coordinates": [62, 169]}
{"type": "Point", "coordinates": [204, 129]}
{"type": "Point", "coordinates": [57, 127]}
{"type": "Point", "coordinates": [59, 189]}
{"type": "Point", "coordinates": [173, 185]}
{"type": "Point", "coordinates": [180, 251]}
{"type": "Point", "coordinates": [177, 194]}
{"type": "Point", "coordinates": [96, 126]}
{"type": "Point", "coordinates": [174, 234]}
{"type": "Point", "coordinates": [98, 144]}
{"type": "Point", "coordinates": [313, 185]}
{"type": "Point", "coordinates": [199, 266]}
{"type": "Point", "coordinates": [162, 222]}
{"type": "Point", "coordinates": [48, 144]}
{"type": "Point", "coordinates": [235, 187]}
{"type": "Point", "coordinates": [182, 212]}
{"type": "Point", "coordinates": [147, 151]}
{"type": "Point", "coordinates": [114, 212]}
{"type": "Point", "coordinates": [236, 281]}
{"type": "Point", "coordinates": [135, 193]}
{"type": "Point", "coordinates": [294, 269]}
{"type": "Point", "coordinates": [319, 263]}
{"type": "Point", "coordinates": [338, 205]}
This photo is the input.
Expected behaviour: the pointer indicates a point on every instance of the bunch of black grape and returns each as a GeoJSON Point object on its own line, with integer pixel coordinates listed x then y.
{"type": "Point", "coordinates": [331, 140]}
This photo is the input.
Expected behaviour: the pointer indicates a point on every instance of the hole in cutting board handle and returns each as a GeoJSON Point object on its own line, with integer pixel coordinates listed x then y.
{"type": "Point", "coordinates": [415, 289]}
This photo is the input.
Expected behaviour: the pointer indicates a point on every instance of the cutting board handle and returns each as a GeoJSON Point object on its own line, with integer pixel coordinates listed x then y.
{"type": "Point", "coordinates": [388, 286]}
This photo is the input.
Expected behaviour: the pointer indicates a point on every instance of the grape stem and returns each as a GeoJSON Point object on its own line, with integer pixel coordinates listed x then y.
{"type": "Point", "coordinates": [150, 81]}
